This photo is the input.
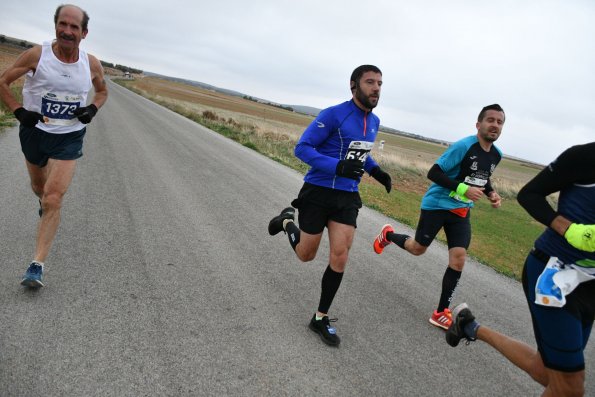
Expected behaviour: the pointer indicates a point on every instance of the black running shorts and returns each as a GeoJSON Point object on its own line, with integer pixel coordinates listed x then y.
{"type": "Point", "coordinates": [38, 146]}
{"type": "Point", "coordinates": [456, 228]}
{"type": "Point", "coordinates": [318, 205]}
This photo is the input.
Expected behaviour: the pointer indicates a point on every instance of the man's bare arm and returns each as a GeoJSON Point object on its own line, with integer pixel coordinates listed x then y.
{"type": "Point", "coordinates": [26, 62]}
{"type": "Point", "coordinates": [99, 83]}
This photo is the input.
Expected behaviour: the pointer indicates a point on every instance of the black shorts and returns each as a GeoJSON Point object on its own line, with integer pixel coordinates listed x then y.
{"type": "Point", "coordinates": [317, 205]}
{"type": "Point", "coordinates": [38, 146]}
{"type": "Point", "coordinates": [561, 333]}
{"type": "Point", "coordinates": [456, 228]}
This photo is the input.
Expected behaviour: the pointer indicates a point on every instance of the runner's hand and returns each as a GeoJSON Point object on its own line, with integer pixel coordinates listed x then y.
{"type": "Point", "coordinates": [382, 177]}
{"type": "Point", "coordinates": [27, 117]}
{"type": "Point", "coordinates": [350, 169]}
{"type": "Point", "coordinates": [86, 113]}
{"type": "Point", "coordinates": [495, 199]}
{"type": "Point", "coordinates": [581, 237]}
{"type": "Point", "coordinates": [470, 192]}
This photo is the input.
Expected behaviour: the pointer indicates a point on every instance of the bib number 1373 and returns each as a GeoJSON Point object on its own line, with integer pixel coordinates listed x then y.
{"type": "Point", "coordinates": [58, 109]}
{"type": "Point", "coordinates": [359, 151]}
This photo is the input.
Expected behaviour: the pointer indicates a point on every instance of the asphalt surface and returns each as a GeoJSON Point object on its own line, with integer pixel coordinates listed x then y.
{"type": "Point", "coordinates": [163, 281]}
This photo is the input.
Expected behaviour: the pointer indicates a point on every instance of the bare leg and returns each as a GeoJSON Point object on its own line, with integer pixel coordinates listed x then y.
{"type": "Point", "coordinates": [414, 248]}
{"type": "Point", "coordinates": [340, 239]}
{"type": "Point", "coordinates": [556, 383]}
{"type": "Point", "coordinates": [50, 183]}
{"type": "Point", "coordinates": [517, 352]}
{"type": "Point", "coordinates": [308, 246]}
{"type": "Point", "coordinates": [566, 384]}
{"type": "Point", "coordinates": [456, 258]}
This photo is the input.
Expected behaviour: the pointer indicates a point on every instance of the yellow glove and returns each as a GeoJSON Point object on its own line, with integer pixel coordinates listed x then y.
{"type": "Point", "coordinates": [581, 236]}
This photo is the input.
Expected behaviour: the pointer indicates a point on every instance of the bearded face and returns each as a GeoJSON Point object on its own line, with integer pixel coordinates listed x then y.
{"type": "Point", "coordinates": [367, 90]}
{"type": "Point", "coordinates": [490, 127]}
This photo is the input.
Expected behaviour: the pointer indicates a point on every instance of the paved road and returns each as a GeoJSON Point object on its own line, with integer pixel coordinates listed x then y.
{"type": "Point", "coordinates": [164, 282]}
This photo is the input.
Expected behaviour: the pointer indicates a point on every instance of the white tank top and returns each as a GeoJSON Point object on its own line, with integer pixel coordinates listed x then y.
{"type": "Point", "coordinates": [56, 89]}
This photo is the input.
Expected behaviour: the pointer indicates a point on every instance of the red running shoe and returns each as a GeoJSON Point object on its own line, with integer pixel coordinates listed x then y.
{"type": "Point", "coordinates": [441, 319]}
{"type": "Point", "coordinates": [381, 241]}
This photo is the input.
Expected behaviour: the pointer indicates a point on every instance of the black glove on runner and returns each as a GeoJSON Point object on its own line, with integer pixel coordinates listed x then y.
{"type": "Point", "coordinates": [382, 177]}
{"type": "Point", "coordinates": [85, 114]}
{"type": "Point", "coordinates": [350, 169]}
{"type": "Point", "coordinates": [27, 117]}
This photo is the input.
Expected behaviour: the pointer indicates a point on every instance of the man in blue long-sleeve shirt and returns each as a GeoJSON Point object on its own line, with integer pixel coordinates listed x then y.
{"type": "Point", "coordinates": [336, 145]}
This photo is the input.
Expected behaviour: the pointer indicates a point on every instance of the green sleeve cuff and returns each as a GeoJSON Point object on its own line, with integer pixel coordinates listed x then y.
{"type": "Point", "coordinates": [462, 189]}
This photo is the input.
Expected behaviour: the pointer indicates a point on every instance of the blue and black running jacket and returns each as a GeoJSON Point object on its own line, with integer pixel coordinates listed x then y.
{"type": "Point", "coordinates": [341, 132]}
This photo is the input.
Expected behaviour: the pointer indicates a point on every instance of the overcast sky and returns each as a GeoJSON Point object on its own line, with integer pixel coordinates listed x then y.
{"type": "Point", "coordinates": [442, 61]}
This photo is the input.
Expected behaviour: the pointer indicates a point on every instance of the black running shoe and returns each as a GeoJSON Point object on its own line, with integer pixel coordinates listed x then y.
{"type": "Point", "coordinates": [323, 328]}
{"type": "Point", "coordinates": [276, 224]}
{"type": "Point", "coordinates": [461, 316]}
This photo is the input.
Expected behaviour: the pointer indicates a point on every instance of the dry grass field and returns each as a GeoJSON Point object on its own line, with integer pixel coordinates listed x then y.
{"type": "Point", "coordinates": [221, 102]}
{"type": "Point", "coordinates": [415, 155]}
{"type": "Point", "coordinates": [8, 54]}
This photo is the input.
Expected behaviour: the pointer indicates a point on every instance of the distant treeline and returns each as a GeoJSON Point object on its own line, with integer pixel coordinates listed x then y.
{"type": "Point", "coordinates": [25, 44]}
{"type": "Point", "coordinates": [268, 103]}
{"type": "Point", "coordinates": [121, 67]}
{"type": "Point", "coordinates": [414, 136]}
{"type": "Point", "coordinates": [15, 42]}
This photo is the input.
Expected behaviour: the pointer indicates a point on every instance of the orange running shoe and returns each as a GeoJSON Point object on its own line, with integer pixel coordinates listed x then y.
{"type": "Point", "coordinates": [381, 241]}
{"type": "Point", "coordinates": [441, 319]}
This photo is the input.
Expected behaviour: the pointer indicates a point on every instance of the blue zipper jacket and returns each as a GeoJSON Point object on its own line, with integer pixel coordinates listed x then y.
{"type": "Point", "coordinates": [340, 132]}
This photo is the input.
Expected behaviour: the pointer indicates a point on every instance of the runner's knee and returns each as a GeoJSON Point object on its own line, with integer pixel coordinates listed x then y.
{"type": "Point", "coordinates": [415, 248]}
{"type": "Point", "coordinates": [305, 255]}
{"type": "Point", "coordinates": [52, 201]}
{"type": "Point", "coordinates": [568, 384]}
{"type": "Point", "coordinates": [338, 259]}
{"type": "Point", "coordinates": [537, 370]}
{"type": "Point", "coordinates": [456, 258]}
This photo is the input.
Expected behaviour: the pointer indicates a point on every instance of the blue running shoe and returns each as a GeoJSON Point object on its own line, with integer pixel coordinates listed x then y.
{"type": "Point", "coordinates": [33, 276]}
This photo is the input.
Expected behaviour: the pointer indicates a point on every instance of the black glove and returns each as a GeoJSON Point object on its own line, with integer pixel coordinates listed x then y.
{"type": "Point", "coordinates": [382, 177]}
{"type": "Point", "coordinates": [27, 117]}
{"type": "Point", "coordinates": [85, 114]}
{"type": "Point", "coordinates": [350, 169]}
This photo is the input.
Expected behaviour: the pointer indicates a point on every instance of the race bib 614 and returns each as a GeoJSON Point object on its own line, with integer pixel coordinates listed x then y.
{"type": "Point", "coordinates": [359, 150]}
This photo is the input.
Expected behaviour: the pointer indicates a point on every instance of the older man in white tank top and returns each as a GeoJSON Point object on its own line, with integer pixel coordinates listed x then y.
{"type": "Point", "coordinates": [53, 118]}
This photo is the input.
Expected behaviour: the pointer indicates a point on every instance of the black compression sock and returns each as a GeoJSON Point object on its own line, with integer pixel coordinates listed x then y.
{"type": "Point", "coordinates": [450, 281]}
{"type": "Point", "coordinates": [293, 233]}
{"type": "Point", "coordinates": [398, 239]}
{"type": "Point", "coordinates": [331, 280]}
